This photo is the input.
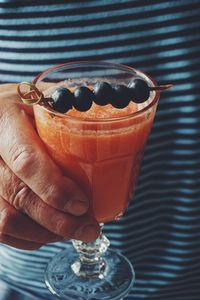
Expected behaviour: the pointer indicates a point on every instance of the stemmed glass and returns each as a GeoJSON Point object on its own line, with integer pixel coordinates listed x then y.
{"type": "Point", "coordinates": [103, 155]}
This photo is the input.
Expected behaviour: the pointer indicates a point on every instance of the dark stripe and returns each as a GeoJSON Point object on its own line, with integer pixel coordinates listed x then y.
{"type": "Point", "coordinates": [192, 42]}
{"type": "Point", "coordinates": [97, 8]}
{"type": "Point", "coordinates": [129, 16]}
{"type": "Point", "coordinates": [105, 32]}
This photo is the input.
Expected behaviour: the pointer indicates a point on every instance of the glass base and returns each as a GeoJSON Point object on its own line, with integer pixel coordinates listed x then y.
{"type": "Point", "coordinates": [65, 284]}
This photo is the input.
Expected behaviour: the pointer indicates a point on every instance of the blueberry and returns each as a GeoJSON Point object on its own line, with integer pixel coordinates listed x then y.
{"type": "Point", "coordinates": [139, 90]}
{"type": "Point", "coordinates": [83, 98]}
{"type": "Point", "coordinates": [62, 99]}
{"type": "Point", "coordinates": [103, 93]}
{"type": "Point", "coordinates": [121, 96]}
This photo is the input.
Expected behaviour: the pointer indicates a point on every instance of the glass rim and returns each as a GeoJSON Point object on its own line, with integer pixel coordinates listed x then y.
{"type": "Point", "coordinates": [108, 64]}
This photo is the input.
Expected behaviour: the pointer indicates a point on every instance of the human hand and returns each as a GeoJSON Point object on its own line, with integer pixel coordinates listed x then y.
{"type": "Point", "coordinates": [38, 204]}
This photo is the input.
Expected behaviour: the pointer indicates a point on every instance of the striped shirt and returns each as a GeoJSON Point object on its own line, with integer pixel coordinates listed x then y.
{"type": "Point", "coordinates": [160, 232]}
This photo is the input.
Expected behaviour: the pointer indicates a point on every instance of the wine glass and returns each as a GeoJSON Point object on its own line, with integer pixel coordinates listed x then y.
{"type": "Point", "coordinates": [102, 152]}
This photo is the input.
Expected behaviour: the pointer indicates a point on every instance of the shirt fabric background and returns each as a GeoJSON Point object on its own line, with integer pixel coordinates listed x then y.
{"type": "Point", "coordinates": [160, 232]}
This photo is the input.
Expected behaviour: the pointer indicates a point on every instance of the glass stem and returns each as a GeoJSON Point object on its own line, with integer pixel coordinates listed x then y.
{"type": "Point", "coordinates": [90, 263]}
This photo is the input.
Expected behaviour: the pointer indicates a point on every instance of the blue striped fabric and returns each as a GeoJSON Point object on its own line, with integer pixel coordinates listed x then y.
{"type": "Point", "coordinates": [160, 232]}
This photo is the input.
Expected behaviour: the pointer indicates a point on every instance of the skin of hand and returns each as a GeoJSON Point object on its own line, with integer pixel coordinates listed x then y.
{"type": "Point", "coordinates": [35, 208]}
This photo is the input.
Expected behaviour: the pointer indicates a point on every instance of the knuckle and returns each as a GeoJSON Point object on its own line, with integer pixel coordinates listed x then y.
{"type": "Point", "coordinates": [21, 159]}
{"type": "Point", "coordinates": [63, 228]}
{"type": "Point", "coordinates": [53, 196]}
{"type": "Point", "coordinates": [7, 219]}
{"type": "Point", "coordinates": [60, 226]}
{"type": "Point", "coordinates": [34, 208]}
{"type": "Point", "coordinates": [20, 196]}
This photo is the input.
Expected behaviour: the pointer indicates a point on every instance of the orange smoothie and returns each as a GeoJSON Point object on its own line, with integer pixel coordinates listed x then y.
{"type": "Point", "coordinates": [103, 155]}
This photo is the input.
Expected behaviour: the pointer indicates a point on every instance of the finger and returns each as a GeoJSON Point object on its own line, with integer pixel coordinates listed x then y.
{"type": "Point", "coordinates": [8, 93]}
{"type": "Point", "coordinates": [20, 226]}
{"type": "Point", "coordinates": [42, 85]}
{"type": "Point", "coordinates": [24, 153]}
{"type": "Point", "coordinates": [13, 190]}
{"type": "Point", "coordinates": [17, 243]}
{"type": "Point", "coordinates": [7, 87]}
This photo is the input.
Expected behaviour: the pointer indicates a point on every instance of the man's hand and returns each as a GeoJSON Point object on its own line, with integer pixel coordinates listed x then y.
{"type": "Point", "coordinates": [38, 205]}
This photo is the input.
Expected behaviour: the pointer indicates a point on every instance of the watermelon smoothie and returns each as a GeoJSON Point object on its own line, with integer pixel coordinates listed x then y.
{"type": "Point", "coordinates": [101, 149]}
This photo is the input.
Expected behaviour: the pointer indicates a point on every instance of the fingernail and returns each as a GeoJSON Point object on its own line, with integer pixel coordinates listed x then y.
{"type": "Point", "coordinates": [76, 207]}
{"type": "Point", "coordinates": [87, 233]}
